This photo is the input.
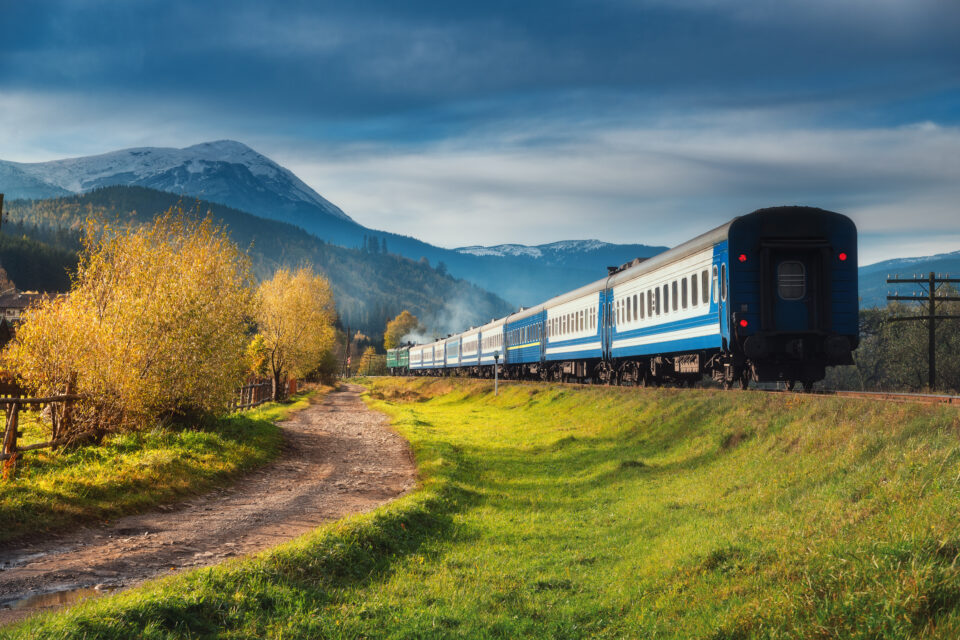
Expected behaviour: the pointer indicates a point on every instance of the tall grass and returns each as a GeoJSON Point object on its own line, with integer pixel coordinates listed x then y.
{"type": "Point", "coordinates": [555, 512]}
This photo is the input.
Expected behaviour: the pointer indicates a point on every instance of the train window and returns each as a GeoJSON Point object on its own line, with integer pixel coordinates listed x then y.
{"type": "Point", "coordinates": [704, 287]}
{"type": "Point", "coordinates": [715, 288]}
{"type": "Point", "coordinates": [675, 296]}
{"type": "Point", "coordinates": [683, 293]}
{"type": "Point", "coordinates": [583, 319]}
{"type": "Point", "coordinates": [791, 280]}
{"type": "Point", "coordinates": [642, 305]}
{"type": "Point", "coordinates": [649, 303]}
{"type": "Point", "coordinates": [656, 301]}
{"type": "Point", "coordinates": [666, 298]}
{"type": "Point", "coordinates": [694, 298]}
{"type": "Point", "coordinates": [723, 281]}
{"type": "Point", "coordinates": [629, 310]}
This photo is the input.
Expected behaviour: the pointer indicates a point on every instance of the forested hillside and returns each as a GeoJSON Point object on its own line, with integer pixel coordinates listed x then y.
{"type": "Point", "coordinates": [371, 286]}
{"type": "Point", "coordinates": [36, 264]}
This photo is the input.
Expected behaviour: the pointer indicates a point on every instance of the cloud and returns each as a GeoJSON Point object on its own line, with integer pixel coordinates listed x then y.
{"type": "Point", "coordinates": [653, 185]}
{"type": "Point", "coordinates": [465, 123]}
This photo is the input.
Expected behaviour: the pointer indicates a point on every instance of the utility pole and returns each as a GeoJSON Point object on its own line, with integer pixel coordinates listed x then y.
{"type": "Point", "coordinates": [930, 297]}
{"type": "Point", "coordinates": [346, 355]}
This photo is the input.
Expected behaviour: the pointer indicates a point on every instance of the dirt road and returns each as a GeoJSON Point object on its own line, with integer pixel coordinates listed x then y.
{"type": "Point", "coordinates": [339, 458]}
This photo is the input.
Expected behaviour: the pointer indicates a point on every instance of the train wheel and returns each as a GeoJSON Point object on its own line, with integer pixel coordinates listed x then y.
{"type": "Point", "coordinates": [808, 386]}
{"type": "Point", "coordinates": [791, 384]}
{"type": "Point", "coordinates": [744, 380]}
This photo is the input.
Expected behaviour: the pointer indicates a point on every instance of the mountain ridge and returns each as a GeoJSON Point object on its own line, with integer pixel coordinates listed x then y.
{"type": "Point", "coordinates": [370, 287]}
{"type": "Point", "coordinates": [232, 174]}
{"type": "Point", "coordinates": [212, 170]}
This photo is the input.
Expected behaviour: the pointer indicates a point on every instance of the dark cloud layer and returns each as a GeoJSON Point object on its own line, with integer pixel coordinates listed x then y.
{"type": "Point", "coordinates": [372, 58]}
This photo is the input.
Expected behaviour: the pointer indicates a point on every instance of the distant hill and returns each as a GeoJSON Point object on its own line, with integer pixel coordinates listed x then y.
{"type": "Point", "coordinates": [370, 286]}
{"type": "Point", "coordinates": [873, 277]}
{"type": "Point", "coordinates": [232, 174]}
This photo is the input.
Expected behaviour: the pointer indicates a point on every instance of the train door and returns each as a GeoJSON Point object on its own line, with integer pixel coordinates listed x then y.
{"type": "Point", "coordinates": [721, 293]}
{"type": "Point", "coordinates": [606, 321]}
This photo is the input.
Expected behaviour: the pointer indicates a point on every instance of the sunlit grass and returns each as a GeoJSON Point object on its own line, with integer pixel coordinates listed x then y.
{"type": "Point", "coordinates": [131, 472]}
{"type": "Point", "coordinates": [556, 512]}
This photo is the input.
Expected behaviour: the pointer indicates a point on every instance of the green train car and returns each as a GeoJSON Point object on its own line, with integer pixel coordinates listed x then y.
{"type": "Point", "coordinates": [398, 360]}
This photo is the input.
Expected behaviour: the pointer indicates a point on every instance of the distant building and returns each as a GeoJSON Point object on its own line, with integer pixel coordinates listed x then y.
{"type": "Point", "coordinates": [14, 303]}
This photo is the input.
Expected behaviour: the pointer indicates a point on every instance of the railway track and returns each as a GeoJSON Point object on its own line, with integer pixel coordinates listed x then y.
{"type": "Point", "coordinates": [923, 398]}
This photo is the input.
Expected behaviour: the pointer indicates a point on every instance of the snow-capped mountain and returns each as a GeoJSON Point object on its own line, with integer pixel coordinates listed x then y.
{"type": "Point", "coordinates": [233, 174]}
{"type": "Point", "coordinates": [538, 251]}
{"type": "Point", "coordinates": [225, 171]}
{"type": "Point", "coordinates": [590, 255]}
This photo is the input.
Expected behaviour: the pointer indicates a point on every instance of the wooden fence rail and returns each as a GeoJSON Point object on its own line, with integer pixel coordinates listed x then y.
{"type": "Point", "coordinates": [60, 421]}
{"type": "Point", "coordinates": [254, 394]}
{"type": "Point", "coordinates": [250, 395]}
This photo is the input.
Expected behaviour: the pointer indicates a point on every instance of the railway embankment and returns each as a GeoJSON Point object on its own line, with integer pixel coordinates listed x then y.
{"type": "Point", "coordinates": [553, 511]}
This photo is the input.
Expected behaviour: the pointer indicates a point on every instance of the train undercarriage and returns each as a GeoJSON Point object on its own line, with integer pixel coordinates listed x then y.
{"type": "Point", "coordinates": [729, 370]}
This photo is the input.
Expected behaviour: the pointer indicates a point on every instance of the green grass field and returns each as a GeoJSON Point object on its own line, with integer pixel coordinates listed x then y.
{"type": "Point", "coordinates": [558, 512]}
{"type": "Point", "coordinates": [132, 472]}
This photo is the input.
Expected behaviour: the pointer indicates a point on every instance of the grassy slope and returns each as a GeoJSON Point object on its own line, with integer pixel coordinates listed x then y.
{"type": "Point", "coordinates": [557, 512]}
{"type": "Point", "coordinates": [133, 472]}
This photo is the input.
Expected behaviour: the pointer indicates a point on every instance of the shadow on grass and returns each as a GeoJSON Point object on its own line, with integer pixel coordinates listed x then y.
{"type": "Point", "coordinates": [290, 582]}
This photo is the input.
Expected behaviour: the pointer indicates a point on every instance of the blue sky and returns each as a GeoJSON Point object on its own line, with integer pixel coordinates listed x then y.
{"type": "Point", "coordinates": [469, 122]}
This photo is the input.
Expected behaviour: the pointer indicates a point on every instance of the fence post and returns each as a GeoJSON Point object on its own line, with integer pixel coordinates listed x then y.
{"type": "Point", "coordinates": [10, 440]}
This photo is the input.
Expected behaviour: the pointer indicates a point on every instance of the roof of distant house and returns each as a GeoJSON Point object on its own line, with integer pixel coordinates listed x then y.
{"type": "Point", "coordinates": [23, 299]}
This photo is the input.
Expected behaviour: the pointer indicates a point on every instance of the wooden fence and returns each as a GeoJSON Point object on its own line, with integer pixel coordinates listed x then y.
{"type": "Point", "coordinates": [250, 395]}
{"type": "Point", "coordinates": [60, 421]}
{"type": "Point", "coordinates": [254, 394]}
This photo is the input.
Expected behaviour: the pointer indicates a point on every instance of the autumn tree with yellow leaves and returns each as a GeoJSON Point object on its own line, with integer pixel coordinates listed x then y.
{"type": "Point", "coordinates": [155, 327]}
{"type": "Point", "coordinates": [372, 364]}
{"type": "Point", "coordinates": [295, 314]}
{"type": "Point", "coordinates": [404, 323]}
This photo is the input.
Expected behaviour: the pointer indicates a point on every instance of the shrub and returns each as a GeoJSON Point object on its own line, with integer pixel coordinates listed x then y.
{"type": "Point", "coordinates": [155, 326]}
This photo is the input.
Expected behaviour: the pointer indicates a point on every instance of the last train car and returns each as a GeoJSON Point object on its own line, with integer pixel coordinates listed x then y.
{"type": "Point", "coordinates": [769, 296]}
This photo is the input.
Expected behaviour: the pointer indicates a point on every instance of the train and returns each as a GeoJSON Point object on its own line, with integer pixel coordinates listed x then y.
{"type": "Point", "coordinates": [770, 296]}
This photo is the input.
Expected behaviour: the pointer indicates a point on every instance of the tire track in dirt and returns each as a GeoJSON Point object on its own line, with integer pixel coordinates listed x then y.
{"type": "Point", "coordinates": [339, 458]}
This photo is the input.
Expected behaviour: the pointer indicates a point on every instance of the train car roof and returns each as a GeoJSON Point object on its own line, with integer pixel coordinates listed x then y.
{"type": "Point", "coordinates": [679, 252]}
